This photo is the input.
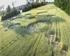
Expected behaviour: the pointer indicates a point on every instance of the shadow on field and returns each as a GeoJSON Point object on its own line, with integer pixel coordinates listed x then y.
{"type": "Point", "coordinates": [16, 27]}
{"type": "Point", "coordinates": [48, 19]}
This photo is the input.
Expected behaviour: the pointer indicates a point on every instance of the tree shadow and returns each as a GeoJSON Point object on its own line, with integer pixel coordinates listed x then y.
{"type": "Point", "coordinates": [27, 30]}
{"type": "Point", "coordinates": [20, 30]}
{"type": "Point", "coordinates": [49, 19]}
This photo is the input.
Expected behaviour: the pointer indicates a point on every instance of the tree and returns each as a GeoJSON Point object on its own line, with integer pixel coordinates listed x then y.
{"type": "Point", "coordinates": [8, 9]}
{"type": "Point", "coordinates": [63, 4]}
{"type": "Point", "coordinates": [2, 13]}
{"type": "Point", "coordinates": [44, 0]}
{"type": "Point", "coordinates": [37, 1]}
{"type": "Point", "coordinates": [30, 1]}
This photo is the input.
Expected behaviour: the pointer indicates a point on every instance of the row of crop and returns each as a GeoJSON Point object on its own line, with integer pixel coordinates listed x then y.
{"type": "Point", "coordinates": [18, 47]}
{"type": "Point", "coordinates": [9, 44]}
{"type": "Point", "coordinates": [54, 48]}
{"type": "Point", "coordinates": [7, 38]}
{"type": "Point", "coordinates": [64, 36]}
{"type": "Point", "coordinates": [68, 33]}
{"type": "Point", "coordinates": [34, 49]}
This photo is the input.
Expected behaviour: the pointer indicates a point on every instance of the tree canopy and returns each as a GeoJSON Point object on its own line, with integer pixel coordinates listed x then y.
{"type": "Point", "coordinates": [63, 4]}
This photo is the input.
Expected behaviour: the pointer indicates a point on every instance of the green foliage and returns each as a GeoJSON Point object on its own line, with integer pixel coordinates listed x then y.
{"type": "Point", "coordinates": [17, 41]}
{"type": "Point", "coordinates": [13, 13]}
{"type": "Point", "coordinates": [10, 12]}
{"type": "Point", "coordinates": [2, 13]}
{"type": "Point", "coordinates": [30, 6]}
{"type": "Point", "coordinates": [8, 9]}
{"type": "Point", "coordinates": [63, 4]}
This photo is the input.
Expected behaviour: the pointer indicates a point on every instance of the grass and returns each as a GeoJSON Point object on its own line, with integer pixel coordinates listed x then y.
{"type": "Point", "coordinates": [30, 36]}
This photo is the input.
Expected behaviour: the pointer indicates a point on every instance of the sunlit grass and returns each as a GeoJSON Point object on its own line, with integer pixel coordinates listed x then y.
{"type": "Point", "coordinates": [18, 42]}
